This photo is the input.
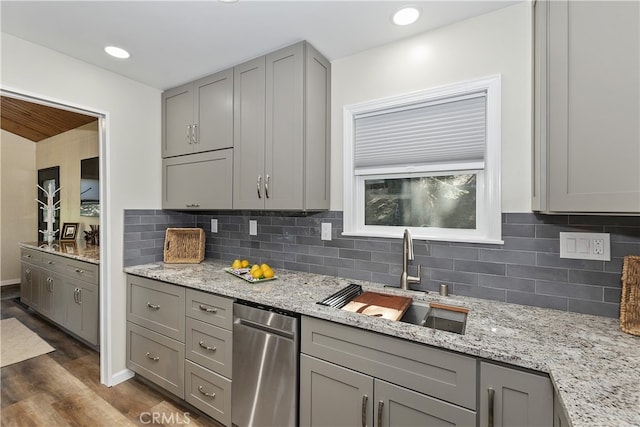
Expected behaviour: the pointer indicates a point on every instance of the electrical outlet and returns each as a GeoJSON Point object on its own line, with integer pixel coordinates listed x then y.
{"type": "Point", "coordinates": [253, 227]}
{"type": "Point", "coordinates": [214, 225]}
{"type": "Point", "coordinates": [596, 246]}
{"type": "Point", "coordinates": [326, 231]}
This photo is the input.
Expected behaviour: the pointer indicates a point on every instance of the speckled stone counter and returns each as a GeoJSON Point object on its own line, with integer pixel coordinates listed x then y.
{"type": "Point", "coordinates": [75, 250]}
{"type": "Point", "coordinates": [595, 368]}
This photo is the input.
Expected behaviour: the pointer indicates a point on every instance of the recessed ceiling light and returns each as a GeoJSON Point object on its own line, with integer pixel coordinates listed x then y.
{"type": "Point", "coordinates": [117, 52]}
{"type": "Point", "coordinates": [407, 15]}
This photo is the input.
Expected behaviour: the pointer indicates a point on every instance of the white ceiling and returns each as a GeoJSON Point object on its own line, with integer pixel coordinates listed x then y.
{"type": "Point", "coordinates": [173, 42]}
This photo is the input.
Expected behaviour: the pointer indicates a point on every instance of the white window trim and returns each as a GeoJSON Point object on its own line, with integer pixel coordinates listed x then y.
{"type": "Point", "coordinates": [488, 215]}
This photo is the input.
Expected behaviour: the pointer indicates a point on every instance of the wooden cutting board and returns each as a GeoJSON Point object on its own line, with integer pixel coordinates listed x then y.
{"type": "Point", "coordinates": [379, 305]}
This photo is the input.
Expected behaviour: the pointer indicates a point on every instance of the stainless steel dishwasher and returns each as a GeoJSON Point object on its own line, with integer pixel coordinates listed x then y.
{"type": "Point", "coordinates": [265, 367]}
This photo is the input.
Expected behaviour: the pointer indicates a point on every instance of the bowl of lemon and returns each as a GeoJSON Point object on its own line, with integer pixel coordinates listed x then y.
{"type": "Point", "coordinates": [251, 272]}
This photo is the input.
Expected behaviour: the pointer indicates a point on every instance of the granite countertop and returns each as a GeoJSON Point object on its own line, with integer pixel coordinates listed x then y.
{"type": "Point", "coordinates": [75, 250]}
{"type": "Point", "coordinates": [594, 367]}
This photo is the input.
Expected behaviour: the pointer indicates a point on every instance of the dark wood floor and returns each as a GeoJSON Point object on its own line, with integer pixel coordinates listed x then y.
{"type": "Point", "coordinates": [62, 388]}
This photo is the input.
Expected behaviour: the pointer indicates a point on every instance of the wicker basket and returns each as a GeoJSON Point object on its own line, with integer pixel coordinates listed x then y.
{"type": "Point", "coordinates": [630, 301]}
{"type": "Point", "coordinates": [184, 245]}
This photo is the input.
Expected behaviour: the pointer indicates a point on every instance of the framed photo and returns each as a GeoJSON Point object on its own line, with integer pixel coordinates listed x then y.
{"type": "Point", "coordinates": [69, 247]}
{"type": "Point", "coordinates": [69, 231]}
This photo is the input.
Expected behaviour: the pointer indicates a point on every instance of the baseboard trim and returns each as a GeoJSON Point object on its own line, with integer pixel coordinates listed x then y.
{"type": "Point", "coordinates": [121, 377]}
{"type": "Point", "coordinates": [9, 282]}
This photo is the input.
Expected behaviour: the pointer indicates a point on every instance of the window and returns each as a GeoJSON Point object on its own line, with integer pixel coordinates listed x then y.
{"type": "Point", "coordinates": [428, 161]}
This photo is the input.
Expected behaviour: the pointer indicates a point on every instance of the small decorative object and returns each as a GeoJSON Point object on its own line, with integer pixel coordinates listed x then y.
{"type": "Point", "coordinates": [49, 209]}
{"type": "Point", "coordinates": [92, 237]}
{"type": "Point", "coordinates": [184, 245]}
{"type": "Point", "coordinates": [69, 231]}
{"type": "Point", "coordinates": [69, 247]}
{"type": "Point", "coordinates": [630, 299]}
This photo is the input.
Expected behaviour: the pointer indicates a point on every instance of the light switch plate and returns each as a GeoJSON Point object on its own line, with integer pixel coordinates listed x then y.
{"type": "Point", "coordinates": [326, 231]}
{"type": "Point", "coordinates": [596, 246]}
{"type": "Point", "coordinates": [253, 227]}
{"type": "Point", "coordinates": [214, 225]}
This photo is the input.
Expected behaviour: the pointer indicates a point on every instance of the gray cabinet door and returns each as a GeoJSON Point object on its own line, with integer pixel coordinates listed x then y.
{"type": "Point", "coordinates": [560, 418]}
{"type": "Point", "coordinates": [48, 284]}
{"type": "Point", "coordinates": [249, 134]}
{"type": "Point", "coordinates": [198, 181]}
{"type": "Point", "coordinates": [213, 112]}
{"type": "Point", "coordinates": [284, 142]}
{"type": "Point", "coordinates": [82, 309]}
{"type": "Point", "coordinates": [588, 104]}
{"type": "Point", "coordinates": [397, 406]}
{"type": "Point", "coordinates": [177, 117]}
{"type": "Point", "coordinates": [514, 398]}
{"type": "Point", "coordinates": [331, 395]}
{"type": "Point", "coordinates": [29, 284]}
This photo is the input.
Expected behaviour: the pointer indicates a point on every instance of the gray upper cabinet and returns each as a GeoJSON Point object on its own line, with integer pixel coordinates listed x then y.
{"type": "Point", "coordinates": [281, 131]}
{"type": "Point", "coordinates": [509, 397]}
{"type": "Point", "coordinates": [198, 116]}
{"type": "Point", "coordinates": [198, 181]}
{"type": "Point", "coordinates": [587, 105]}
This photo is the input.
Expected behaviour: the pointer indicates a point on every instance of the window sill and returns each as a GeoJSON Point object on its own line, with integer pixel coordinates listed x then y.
{"type": "Point", "coordinates": [415, 236]}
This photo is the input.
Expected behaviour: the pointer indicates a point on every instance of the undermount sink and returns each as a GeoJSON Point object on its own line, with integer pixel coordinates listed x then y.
{"type": "Point", "coordinates": [437, 316]}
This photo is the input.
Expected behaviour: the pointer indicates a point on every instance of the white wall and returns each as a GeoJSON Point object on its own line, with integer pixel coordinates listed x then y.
{"type": "Point", "coordinates": [67, 150]}
{"type": "Point", "coordinates": [495, 43]}
{"type": "Point", "coordinates": [131, 154]}
{"type": "Point", "coordinates": [18, 212]}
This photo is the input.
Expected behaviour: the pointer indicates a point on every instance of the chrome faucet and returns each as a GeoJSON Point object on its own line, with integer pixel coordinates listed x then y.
{"type": "Point", "coordinates": [407, 255]}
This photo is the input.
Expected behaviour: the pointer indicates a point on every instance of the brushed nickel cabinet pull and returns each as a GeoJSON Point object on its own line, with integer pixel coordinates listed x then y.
{"type": "Point", "coordinates": [266, 186]}
{"type": "Point", "coordinates": [380, 405]}
{"type": "Point", "coordinates": [258, 184]}
{"type": "Point", "coordinates": [50, 262]}
{"type": "Point", "coordinates": [207, 309]}
{"type": "Point", "coordinates": [194, 134]}
{"type": "Point", "coordinates": [206, 347]}
{"type": "Point", "coordinates": [189, 134]}
{"type": "Point", "coordinates": [154, 358]}
{"type": "Point", "coordinates": [201, 390]}
{"type": "Point", "coordinates": [364, 410]}
{"type": "Point", "coordinates": [492, 394]}
{"type": "Point", "coordinates": [153, 306]}
{"type": "Point", "coordinates": [27, 256]}
{"type": "Point", "coordinates": [79, 271]}
{"type": "Point", "coordinates": [79, 296]}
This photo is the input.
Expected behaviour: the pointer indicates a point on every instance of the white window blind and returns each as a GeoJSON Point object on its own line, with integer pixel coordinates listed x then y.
{"type": "Point", "coordinates": [449, 132]}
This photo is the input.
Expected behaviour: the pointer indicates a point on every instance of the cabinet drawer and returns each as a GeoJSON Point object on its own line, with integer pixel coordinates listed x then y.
{"type": "Point", "coordinates": [210, 308]}
{"type": "Point", "coordinates": [438, 373]}
{"type": "Point", "coordinates": [81, 270]}
{"type": "Point", "coordinates": [53, 263]}
{"type": "Point", "coordinates": [31, 256]}
{"type": "Point", "coordinates": [156, 357]}
{"type": "Point", "coordinates": [157, 306]}
{"type": "Point", "coordinates": [208, 391]}
{"type": "Point", "coordinates": [209, 346]}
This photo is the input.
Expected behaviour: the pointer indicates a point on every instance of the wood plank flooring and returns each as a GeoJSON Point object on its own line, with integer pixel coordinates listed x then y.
{"type": "Point", "coordinates": [62, 388]}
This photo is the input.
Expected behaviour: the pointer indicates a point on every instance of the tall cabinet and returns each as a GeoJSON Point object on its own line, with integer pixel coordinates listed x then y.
{"type": "Point", "coordinates": [587, 105]}
{"type": "Point", "coordinates": [281, 131]}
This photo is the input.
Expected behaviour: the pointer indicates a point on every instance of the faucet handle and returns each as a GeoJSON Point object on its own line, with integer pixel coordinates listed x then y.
{"type": "Point", "coordinates": [415, 279]}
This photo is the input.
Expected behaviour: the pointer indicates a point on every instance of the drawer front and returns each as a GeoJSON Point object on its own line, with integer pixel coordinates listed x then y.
{"type": "Point", "coordinates": [81, 270]}
{"type": "Point", "coordinates": [157, 306]}
{"type": "Point", "coordinates": [210, 308]}
{"type": "Point", "coordinates": [53, 263]}
{"type": "Point", "coordinates": [209, 346]}
{"type": "Point", "coordinates": [31, 256]}
{"type": "Point", "coordinates": [438, 373]}
{"type": "Point", "coordinates": [208, 391]}
{"type": "Point", "coordinates": [157, 358]}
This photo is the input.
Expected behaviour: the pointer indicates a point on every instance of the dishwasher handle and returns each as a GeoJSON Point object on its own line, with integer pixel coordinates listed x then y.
{"type": "Point", "coordinates": [265, 328]}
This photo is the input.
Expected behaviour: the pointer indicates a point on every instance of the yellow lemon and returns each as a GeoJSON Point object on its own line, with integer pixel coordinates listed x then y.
{"type": "Point", "coordinates": [257, 273]}
{"type": "Point", "coordinates": [245, 263]}
{"type": "Point", "coordinates": [265, 266]}
{"type": "Point", "coordinates": [268, 273]}
{"type": "Point", "coordinates": [236, 264]}
{"type": "Point", "coordinates": [254, 267]}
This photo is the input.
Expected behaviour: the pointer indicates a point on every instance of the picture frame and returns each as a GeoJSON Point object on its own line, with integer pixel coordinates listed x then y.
{"type": "Point", "coordinates": [69, 247]}
{"type": "Point", "coordinates": [69, 231]}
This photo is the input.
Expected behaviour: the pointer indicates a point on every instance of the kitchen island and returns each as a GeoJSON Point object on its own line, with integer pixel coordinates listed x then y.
{"type": "Point", "coordinates": [594, 367]}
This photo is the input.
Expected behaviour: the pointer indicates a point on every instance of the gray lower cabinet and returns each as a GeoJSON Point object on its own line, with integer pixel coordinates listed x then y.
{"type": "Point", "coordinates": [181, 340]}
{"type": "Point", "coordinates": [64, 290]}
{"type": "Point", "coordinates": [281, 131]}
{"type": "Point", "coordinates": [587, 104]}
{"type": "Point", "coordinates": [510, 397]}
{"type": "Point", "coordinates": [198, 116]}
{"type": "Point", "coordinates": [332, 395]}
{"type": "Point", "coordinates": [198, 181]}
{"type": "Point", "coordinates": [560, 418]}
